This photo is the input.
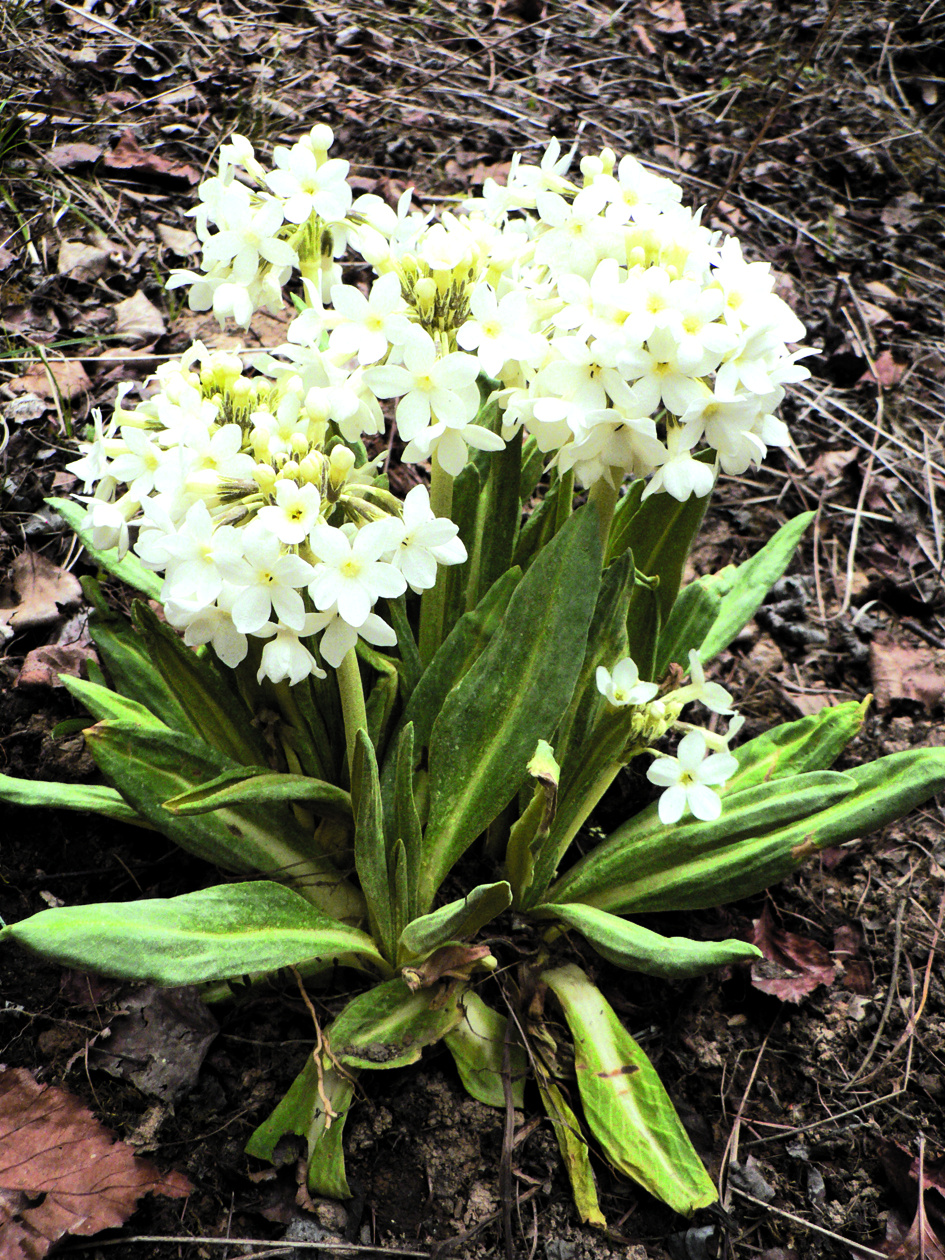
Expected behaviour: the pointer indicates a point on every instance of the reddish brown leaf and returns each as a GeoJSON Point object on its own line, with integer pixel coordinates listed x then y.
{"type": "Point", "coordinates": [907, 673]}
{"type": "Point", "coordinates": [43, 589]}
{"type": "Point", "coordinates": [887, 372]}
{"type": "Point", "coordinates": [129, 158]}
{"type": "Point", "coordinates": [792, 966]}
{"type": "Point", "coordinates": [60, 1170]}
{"type": "Point", "coordinates": [856, 974]}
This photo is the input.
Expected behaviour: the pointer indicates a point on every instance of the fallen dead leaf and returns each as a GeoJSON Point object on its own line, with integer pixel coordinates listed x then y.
{"type": "Point", "coordinates": [792, 966]}
{"type": "Point", "coordinates": [70, 377]}
{"type": "Point", "coordinates": [67, 157]}
{"type": "Point", "coordinates": [61, 1172]}
{"type": "Point", "coordinates": [43, 589]}
{"type": "Point", "coordinates": [138, 320]}
{"type": "Point", "coordinates": [887, 371]}
{"type": "Point", "coordinates": [159, 1041]}
{"type": "Point", "coordinates": [670, 18]}
{"type": "Point", "coordinates": [906, 673]}
{"type": "Point", "coordinates": [80, 261]}
{"type": "Point", "coordinates": [43, 665]}
{"type": "Point", "coordinates": [178, 240]}
{"type": "Point", "coordinates": [129, 158]}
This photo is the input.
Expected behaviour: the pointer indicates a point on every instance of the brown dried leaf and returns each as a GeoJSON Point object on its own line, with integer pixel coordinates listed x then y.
{"type": "Point", "coordinates": [907, 673]}
{"type": "Point", "coordinates": [43, 588]}
{"type": "Point", "coordinates": [669, 14]}
{"type": "Point", "coordinates": [138, 320]}
{"type": "Point", "coordinates": [129, 158]}
{"type": "Point", "coordinates": [67, 157]}
{"type": "Point", "coordinates": [888, 371]}
{"type": "Point", "coordinates": [60, 1170]}
{"type": "Point", "coordinates": [81, 261]}
{"type": "Point", "coordinates": [792, 966]}
{"type": "Point", "coordinates": [70, 377]}
{"type": "Point", "coordinates": [44, 665]}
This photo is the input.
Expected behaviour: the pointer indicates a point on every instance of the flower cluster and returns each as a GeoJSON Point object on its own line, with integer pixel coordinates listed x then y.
{"type": "Point", "coordinates": [258, 517]}
{"type": "Point", "coordinates": [601, 316]}
{"type": "Point", "coordinates": [624, 335]}
{"type": "Point", "coordinates": [702, 759]}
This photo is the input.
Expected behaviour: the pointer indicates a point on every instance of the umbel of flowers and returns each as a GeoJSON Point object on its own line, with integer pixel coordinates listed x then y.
{"type": "Point", "coordinates": [600, 316]}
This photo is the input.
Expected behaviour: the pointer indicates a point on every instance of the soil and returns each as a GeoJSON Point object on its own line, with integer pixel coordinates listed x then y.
{"type": "Point", "coordinates": [814, 131]}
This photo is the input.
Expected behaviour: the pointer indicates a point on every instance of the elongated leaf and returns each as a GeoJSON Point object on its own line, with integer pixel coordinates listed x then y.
{"type": "Point", "coordinates": [455, 657]}
{"type": "Point", "coordinates": [84, 797]}
{"type": "Point", "coordinates": [612, 875]}
{"type": "Point", "coordinates": [102, 702]}
{"type": "Point", "coordinates": [660, 537]}
{"type": "Point", "coordinates": [636, 948]}
{"type": "Point", "coordinates": [302, 1112]}
{"type": "Point", "coordinates": [370, 849]}
{"type": "Point", "coordinates": [529, 833]}
{"type": "Point", "coordinates": [624, 1101]}
{"type": "Point", "coordinates": [538, 530]}
{"type": "Point", "coordinates": [695, 612]}
{"type": "Point", "coordinates": [250, 785]}
{"type": "Point", "coordinates": [401, 820]}
{"type": "Point", "coordinates": [150, 767]}
{"type": "Point", "coordinates": [388, 1026]}
{"type": "Point", "coordinates": [606, 645]}
{"type": "Point", "coordinates": [884, 791]}
{"type": "Point", "coordinates": [574, 1152]}
{"type": "Point", "coordinates": [210, 935]}
{"type": "Point", "coordinates": [132, 673]}
{"type": "Point", "coordinates": [456, 921]}
{"type": "Point", "coordinates": [795, 748]}
{"type": "Point", "coordinates": [129, 569]}
{"type": "Point", "coordinates": [743, 589]}
{"type": "Point", "coordinates": [513, 696]}
{"type": "Point", "coordinates": [409, 666]}
{"type": "Point", "coordinates": [533, 463]}
{"type": "Point", "coordinates": [643, 629]}
{"type": "Point", "coordinates": [214, 708]}
{"type": "Point", "coordinates": [477, 1045]}
{"type": "Point", "coordinates": [498, 515]}
{"type": "Point", "coordinates": [467, 492]}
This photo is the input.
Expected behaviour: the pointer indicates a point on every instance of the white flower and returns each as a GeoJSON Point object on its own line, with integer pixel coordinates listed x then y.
{"type": "Point", "coordinates": [428, 386]}
{"type": "Point", "coordinates": [689, 778]}
{"type": "Point", "coordinates": [712, 695]}
{"type": "Point", "coordinates": [308, 186]}
{"type": "Point", "coordinates": [294, 514]}
{"type": "Point", "coordinates": [285, 658]}
{"type": "Point", "coordinates": [499, 329]}
{"type": "Point", "coordinates": [351, 574]}
{"type": "Point", "coordinates": [270, 580]}
{"type": "Point", "coordinates": [623, 686]}
{"type": "Point", "coordinates": [196, 553]}
{"type": "Point", "coordinates": [212, 624]}
{"type": "Point", "coordinates": [368, 326]}
{"type": "Point", "coordinates": [427, 540]}
{"type": "Point", "coordinates": [340, 637]}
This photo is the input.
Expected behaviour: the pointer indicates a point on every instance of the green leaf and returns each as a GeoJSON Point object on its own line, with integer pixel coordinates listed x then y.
{"type": "Point", "coordinates": [512, 696]}
{"type": "Point", "coordinates": [477, 1045]}
{"type": "Point", "coordinates": [694, 613]}
{"type": "Point", "coordinates": [388, 1026]}
{"type": "Point", "coordinates": [529, 833]}
{"type": "Point", "coordinates": [539, 529]}
{"type": "Point", "coordinates": [811, 743]}
{"type": "Point", "coordinates": [250, 785]}
{"type": "Point", "coordinates": [883, 792]}
{"type": "Point", "coordinates": [132, 673]}
{"type": "Point", "coordinates": [643, 628]}
{"type": "Point", "coordinates": [624, 1101]}
{"type": "Point", "coordinates": [660, 535]}
{"type": "Point", "coordinates": [455, 657]}
{"type": "Point", "coordinates": [409, 666]}
{"type": "Point", "coordinates": [401, 820]}
{"type": "Point", "coordinates": [83, 797]}
{"type": "Point", "coordinates": [621, 871]}
{"type": "Point", "coordinates": [742, 590]}
{"type": "Point", "coordinates": [574, 1152]}
{"type": "Point", "coordinates": [533, 465]}
{"type": "Point", "coordinates": [456, 921]}
{"type": "Point", "coordinates": [129, 569]}
{"type": "Point", "coordinates": [221, 932]}
{"type": "Point", "coordinates": [636, 948]}
{"type": "Point", "coordinates": [498, 515]}
{"type": "Point", "coordinates": [467, 491]}
{"type": "Point", "coordinates": [302, 1112]}
{"type": "Point", "coordinates": [150, 767]}
{"type": "Point", "coordinates": [213, 706]}
{"type": "Point", "coordinates": [102, 702]}
{"type": "Point", "coordinates": [370, 849]}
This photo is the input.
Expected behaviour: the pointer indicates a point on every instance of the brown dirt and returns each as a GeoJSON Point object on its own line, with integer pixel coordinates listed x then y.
{"type": "Point", "coordinates": [826, 144]}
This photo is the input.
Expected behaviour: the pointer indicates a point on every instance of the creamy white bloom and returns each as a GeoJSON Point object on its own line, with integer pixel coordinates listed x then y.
{"type": "Point", "coordinates": [350, 573]}
{"type": "Point", "coordinates": [427, 541]}
{"type": "Point", "coordinates": [689, 778]}
{"type": "Point", "coordinates": [623, 686]}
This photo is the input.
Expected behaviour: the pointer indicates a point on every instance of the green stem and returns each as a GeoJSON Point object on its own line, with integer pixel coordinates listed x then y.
{"type": "Point", "coordinates": [604, 497]}
{"type": "Point", "coordinates": [565, 499]}
{"type": "Point", "coordinates": [352, 703]}
{"type": "Point", "coordinates": [432, 603]}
